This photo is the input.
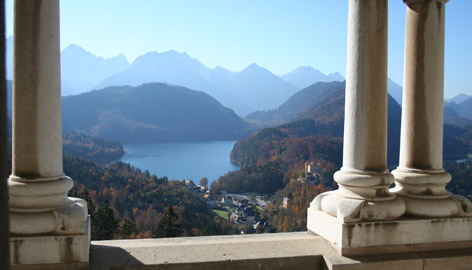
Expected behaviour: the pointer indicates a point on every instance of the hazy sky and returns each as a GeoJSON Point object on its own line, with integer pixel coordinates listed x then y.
{"type": "Point", "coordinates": [278, 35]}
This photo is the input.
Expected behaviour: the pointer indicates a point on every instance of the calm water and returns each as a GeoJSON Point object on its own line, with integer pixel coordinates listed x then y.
{"type": "Point", "coordinates": [182, 160]}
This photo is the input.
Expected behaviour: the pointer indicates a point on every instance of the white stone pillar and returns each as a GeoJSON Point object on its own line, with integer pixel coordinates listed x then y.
{"type": "Point", "coordinates": [38, 187]}
{"type": "Point", "coordinates": [420, 177]}
{"type": "Point", "coordinates": [364, 179]}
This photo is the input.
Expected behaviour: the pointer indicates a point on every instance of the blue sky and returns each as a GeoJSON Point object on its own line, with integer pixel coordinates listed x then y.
{"type": "Point", "coordinates": [278, 35]}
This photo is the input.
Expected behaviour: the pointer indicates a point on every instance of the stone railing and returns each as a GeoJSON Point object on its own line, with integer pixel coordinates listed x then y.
{"type": "Point", "coordinates": [292, 251]}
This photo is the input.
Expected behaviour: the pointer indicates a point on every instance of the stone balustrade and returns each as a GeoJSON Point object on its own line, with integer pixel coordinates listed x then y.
{"type": "Point", "coordinates": [363, 217]}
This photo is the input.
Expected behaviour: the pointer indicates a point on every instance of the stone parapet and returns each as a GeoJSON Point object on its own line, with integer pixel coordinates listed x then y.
{"type": "Point", "coordinates": [298, 250]}
{"type": "Point", "coordinates": [395, 236]}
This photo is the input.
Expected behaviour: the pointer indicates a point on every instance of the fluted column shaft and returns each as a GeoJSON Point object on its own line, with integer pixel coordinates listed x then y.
{"type": "Point", "coordinates": [364, 179]}
{"type": "Point", "coordinates": [420, 178]}
{"type": "Point", "coordinates": [38, 187]}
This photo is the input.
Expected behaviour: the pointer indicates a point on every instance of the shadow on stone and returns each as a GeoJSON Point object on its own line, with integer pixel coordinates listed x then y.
{"type": "Point", "coordinates": [109, 257]}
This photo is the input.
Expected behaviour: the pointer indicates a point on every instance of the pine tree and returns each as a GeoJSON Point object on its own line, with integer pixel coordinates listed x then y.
{"type": "Point", "coordinates": [128, 227]}
{"type": "Point", "coordinates": [90, 205]}
{"type": "Point", "coordinates": [168, 226]}
{"type": "Point", "coordinates": [106, 223]}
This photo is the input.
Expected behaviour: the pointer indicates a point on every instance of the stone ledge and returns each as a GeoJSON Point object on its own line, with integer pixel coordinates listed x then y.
{"type": "Point", "coordinates": [299, 250]}
{"type": "Point", "coordinates": [212, 250]}
{"type": "Point", "coordinates": [404, 235]}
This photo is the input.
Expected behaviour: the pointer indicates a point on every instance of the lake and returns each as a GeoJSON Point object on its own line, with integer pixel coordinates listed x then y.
{"type": "Point", "coordinates": [182, 160]}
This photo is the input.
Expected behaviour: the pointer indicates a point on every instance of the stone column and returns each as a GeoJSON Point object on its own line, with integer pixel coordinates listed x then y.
{"type": "Point", "coordinates": [38, 187]}
{"type": "Point", "coordinates": [420, 178]}
{"type": "Point", "coordinates": [364, 179]}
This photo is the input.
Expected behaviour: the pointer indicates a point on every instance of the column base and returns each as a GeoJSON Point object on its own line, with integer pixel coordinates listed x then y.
{"type": "Point", "coordinates": [382, 237]}
{"type": "Point", "coordinates": [51, 251]}
{"type": "Point", "coordinates": [356, 210]}
{"type": "Point", "coordinates": [425, 194]}
{"type": "Point", "coordinates": [454, 206]}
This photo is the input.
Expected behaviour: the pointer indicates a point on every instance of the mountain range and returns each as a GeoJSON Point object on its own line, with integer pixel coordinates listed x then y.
{"type": "Point", "coordinates": [251, 89]}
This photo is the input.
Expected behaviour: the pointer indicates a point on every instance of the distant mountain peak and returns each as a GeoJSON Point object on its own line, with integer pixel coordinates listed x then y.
{"type": "Point", "coordinates": [254, 68]}
{"type": "Point", "coordinates": [305, 68]}
{"type": "Point", "coordinates": [305, 76]}
{"type": "Point", "coordinates": [75, 49]}
{"type": "Point", "coordinates": [253, 65]}
{"type": "Point", "coordinates": [336, 76]}
{"type": "Point", "coordinates": [120, 56]}
{"type": "Point", "coordinates": [459, 98]}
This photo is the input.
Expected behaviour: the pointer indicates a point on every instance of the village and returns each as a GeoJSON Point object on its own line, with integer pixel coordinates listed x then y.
{"type": "Point", "coordinates": [242, 209]}
{"type": "Point", "coordinates": [245, 209]}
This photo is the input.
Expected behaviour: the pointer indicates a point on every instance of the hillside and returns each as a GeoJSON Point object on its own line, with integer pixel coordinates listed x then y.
{"type": "Point", "coordinates": [452, 117]}
{"type": "Point", "coordinates": [320, 101]}
{"type": "Point", "coordinates": [464, 109]}
{"type": "Point", "coordinates": [153, 112]}
{"type": "Point", "coordinates": [95, 149]}
{"type": "Point", "coordinates": [299, 104]}
{"type": "Point", "coordinates": [320, 132]}
{"type": "Point", "coordinates": [315, 134]}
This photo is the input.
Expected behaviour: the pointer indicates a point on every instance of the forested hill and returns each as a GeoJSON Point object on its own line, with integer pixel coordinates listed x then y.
{"type": "Point", "coordinates": [302, 103]}
{"type": "Point", "coordinates": [319, 117]}
{"type": "Point", "coordinates": [95, 149]}
{"type": "Point", "coordinates": [153, 112]}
